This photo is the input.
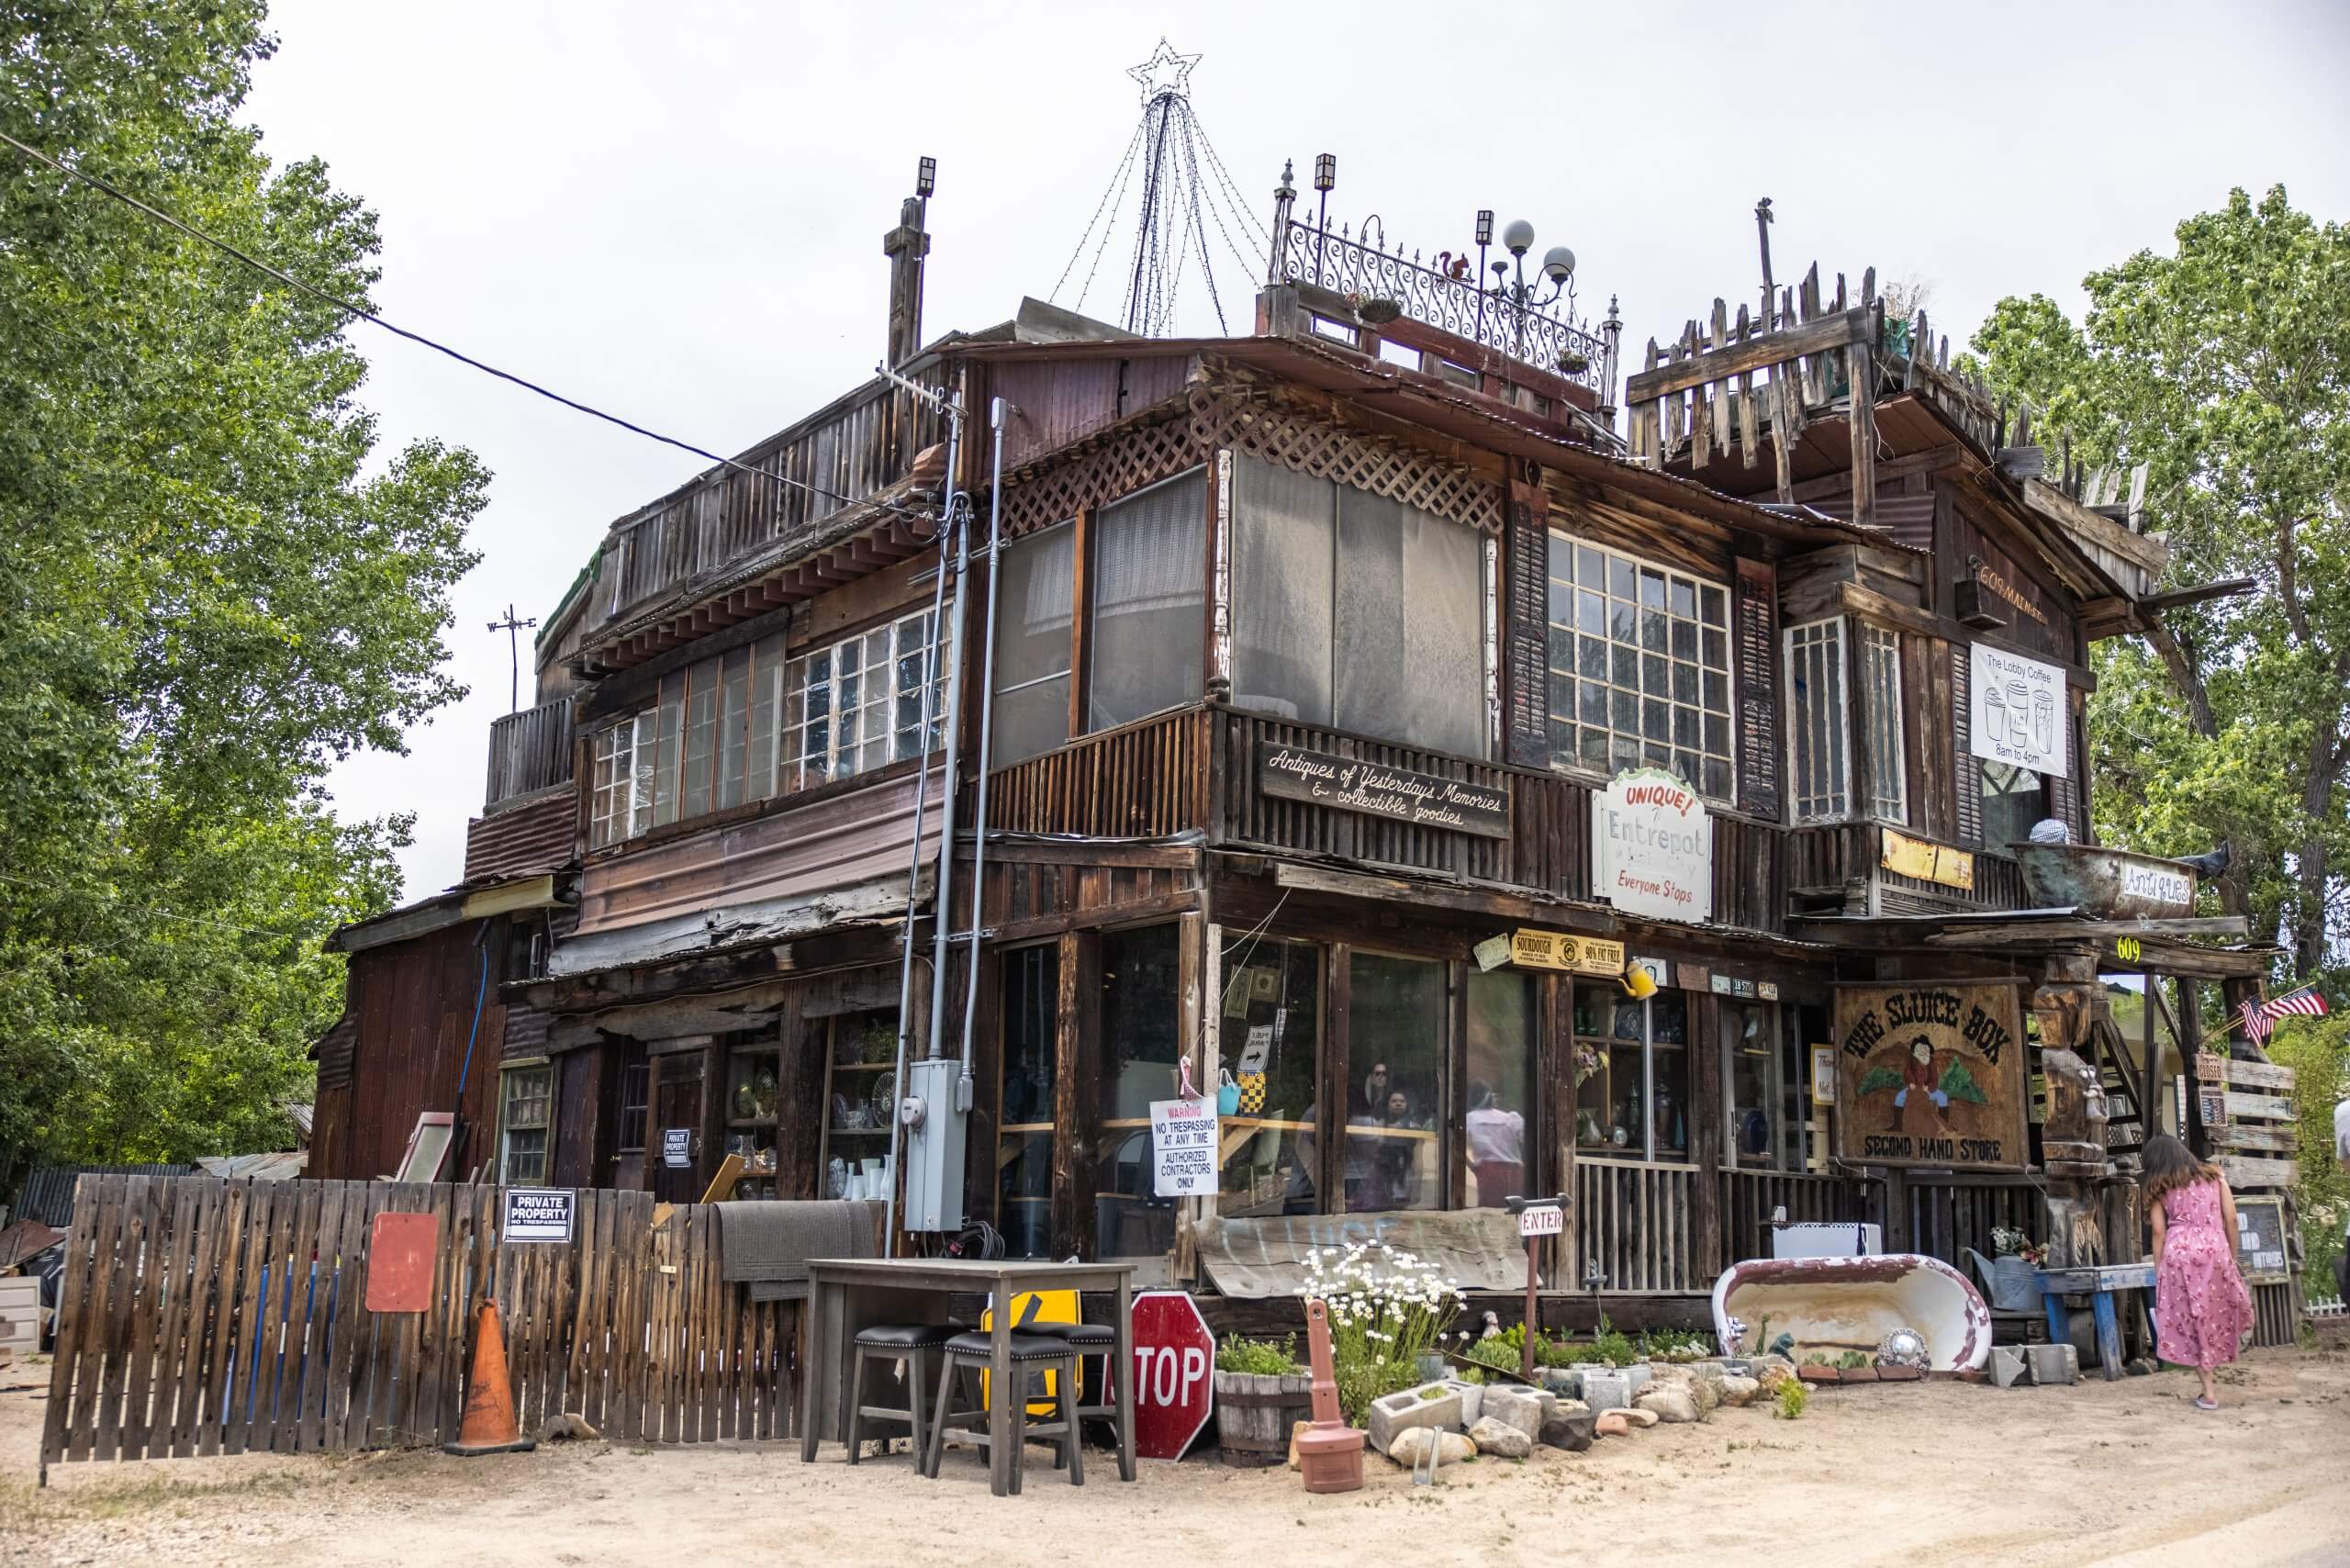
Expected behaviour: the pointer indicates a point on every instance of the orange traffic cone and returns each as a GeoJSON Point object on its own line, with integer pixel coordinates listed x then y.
{"type": "Point", "coordinates": [489, 1398]}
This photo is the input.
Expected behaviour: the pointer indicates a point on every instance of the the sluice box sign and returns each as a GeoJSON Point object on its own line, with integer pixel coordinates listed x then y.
{"type": "Point", "coordinates": [1350, 784]}
{"type": "Point", "coordinates": [1929, 1074]}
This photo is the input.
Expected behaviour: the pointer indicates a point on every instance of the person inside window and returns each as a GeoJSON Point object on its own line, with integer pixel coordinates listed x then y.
{"type": "Point", "coordinates": [1496, 1147]}
{"type": "Point", "coordinates": [1394, 1177]}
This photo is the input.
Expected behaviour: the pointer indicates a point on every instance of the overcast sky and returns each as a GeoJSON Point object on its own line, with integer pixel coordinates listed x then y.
{"type": "Point", "coordinates": [676, 212]}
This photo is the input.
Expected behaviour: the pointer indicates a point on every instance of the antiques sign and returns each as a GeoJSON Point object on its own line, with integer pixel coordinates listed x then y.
{"type": "Point", "coordinates": [1929, 1074]}
{"type": "Point", "coordinates": [2021, 714]}
{"type": "Point", "coordinates": [1653, 847]}
{"type": "Point", "coordinates": [1349, 784]}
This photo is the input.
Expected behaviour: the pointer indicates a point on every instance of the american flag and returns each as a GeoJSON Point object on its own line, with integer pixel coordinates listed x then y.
{"type": "Point", "coordinates": [2260, 1022]}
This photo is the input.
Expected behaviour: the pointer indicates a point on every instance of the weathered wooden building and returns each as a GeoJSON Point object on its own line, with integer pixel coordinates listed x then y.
{"type": "Point", "coordinates": [1495, 806]}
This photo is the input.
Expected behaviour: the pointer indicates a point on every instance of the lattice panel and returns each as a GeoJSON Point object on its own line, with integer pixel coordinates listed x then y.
{"type": "Point", "coordinates": [1139, 457]}
{"type": "Point", "coordinates": [1255, 425]}
{"type": "Point", "coordinates": [1383, 466]}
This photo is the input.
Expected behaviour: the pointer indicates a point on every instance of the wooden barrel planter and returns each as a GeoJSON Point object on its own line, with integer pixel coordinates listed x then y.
{"type": "Point", "coordinates": [1254, 1413]}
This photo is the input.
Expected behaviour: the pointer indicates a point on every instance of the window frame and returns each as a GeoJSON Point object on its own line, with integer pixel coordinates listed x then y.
{"type": "Point", "coordinates": [1607, 1044]}
{"type": "Point", "coordinates": [507, 1126]}
{"type": "Point", "coordinates": [1563, 640]}
{"type": "Point", "coordinates": [1834, 738]}
{"type": "Point", "coordinates": [1879, 655]}
{"type": "Point", "coordinates": [787, 694]}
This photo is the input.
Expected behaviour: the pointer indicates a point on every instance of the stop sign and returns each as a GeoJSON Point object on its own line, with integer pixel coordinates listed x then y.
{"type": "Point", "coordinates": [1174, 1355]}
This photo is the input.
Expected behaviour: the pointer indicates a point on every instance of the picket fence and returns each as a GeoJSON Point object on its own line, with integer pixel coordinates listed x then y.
{"type": "Point", "coordinates": [199, 1316]}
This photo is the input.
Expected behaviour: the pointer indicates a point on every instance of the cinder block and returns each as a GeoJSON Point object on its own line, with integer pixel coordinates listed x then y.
{"type": "Point", "coordinates": [1399, 1412]}
{"type": "Point", "coordinates": [1518, 1407]}
{"type": "Point", "coordinates": [2053, 1364]}
{"type": "Point", "coordinates": [2007, 1365]}
{"type": "Point", "coordinates": [1606, 1391]}
{"type": "Point", "coordinates": [1636, 1377]}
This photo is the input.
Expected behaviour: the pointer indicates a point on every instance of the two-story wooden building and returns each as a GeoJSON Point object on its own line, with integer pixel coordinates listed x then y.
{"type": "Point", "coordinates": [1495, 805]}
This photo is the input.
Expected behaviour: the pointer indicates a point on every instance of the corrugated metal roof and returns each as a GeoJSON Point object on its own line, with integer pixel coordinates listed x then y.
{"type": "Point", "coordinates": [49, 1191]}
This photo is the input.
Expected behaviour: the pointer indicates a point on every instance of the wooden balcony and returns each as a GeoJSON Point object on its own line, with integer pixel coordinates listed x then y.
{"type": "Point", "coordinates": [529, 751]}
{"type": "Point", "coordinates": [1840, 868]}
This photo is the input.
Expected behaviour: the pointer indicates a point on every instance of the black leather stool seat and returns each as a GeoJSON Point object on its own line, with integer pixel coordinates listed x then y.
{"type": "Point", "coordinates": [1088, 1337]}
{"type": "Point", "coordinates": [980, 1344]}
{"type": "Point", "coordinates": [906, 1336]}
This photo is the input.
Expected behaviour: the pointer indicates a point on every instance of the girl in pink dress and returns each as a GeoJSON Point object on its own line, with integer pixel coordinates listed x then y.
{"type": "Point", "coordinates": [2201, 1307]}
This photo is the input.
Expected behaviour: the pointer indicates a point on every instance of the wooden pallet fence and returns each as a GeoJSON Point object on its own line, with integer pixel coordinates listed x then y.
{"type": "Point", "coordinates": [200, 1317]}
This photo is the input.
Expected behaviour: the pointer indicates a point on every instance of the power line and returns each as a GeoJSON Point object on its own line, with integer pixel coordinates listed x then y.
{"type": "Point", "coordinates": [365, 315]}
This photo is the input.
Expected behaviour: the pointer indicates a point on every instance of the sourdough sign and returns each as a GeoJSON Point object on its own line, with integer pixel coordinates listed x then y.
{"type": "Point", "coordinates": [1350, 784]}
{"type": "Point", "coordinates": [1929, 1074]}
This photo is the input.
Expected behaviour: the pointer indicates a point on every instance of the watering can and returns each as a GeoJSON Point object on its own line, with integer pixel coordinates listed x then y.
{"type": "Point", "coordinates": [2009, 1281]}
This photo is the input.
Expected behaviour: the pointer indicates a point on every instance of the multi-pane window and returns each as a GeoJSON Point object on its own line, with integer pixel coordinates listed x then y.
{"type": "Point", "coordinates": [1632, 1092]}
{"type": "Point", "coordinates": [1881, 711]}
{"type": "Point", "coordinates": [750, 723]}
{"type": "Point", "coordinates": [525, 1124]}
{"type": "Point", "coordinates": [857, 705]}
{"type": "Point", "coordinates": [1819, 761]}
{"type": "Point", "coordinates": [1639, 667]}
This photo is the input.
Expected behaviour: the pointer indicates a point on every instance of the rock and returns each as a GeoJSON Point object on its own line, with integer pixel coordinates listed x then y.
{"type": "Point", "coordinates": [1758, 1365]}
{"type": "Point", "coordinates": [1451, 1447]}
{"type": "Point", "coordinates": [1515, 1407]}
{"type": "Point", "coordinates": [2052, 1365]}
{"type": "Point", "coordinates": [1611, 1425]}
{"type": "Point", "coordinates": [1636, 1377]}
{"type": "Point", "coordinates": [1740, 1391]}
{"type": "Point", "coordinates": [1399, 1412]}
{"type": "Point", "coordinates": [1568, 1429]}
{"type": "Point", "coordinates": [2009, 1367]}
{"type": "Point", "coordinates": [1670, 1403]}
{"type": "Point", "coordinates": [1606, 1391]}
{"type": "Point", "coordinates": [1773, 1379]}
{"type": "Point", "coordinates": [1704, 1393]}
{"type": "Point", "coordinates": [1498, 1437]}
{"type": "Point", "coordinates": [1638, 1417]}
{"type": "Point", "coordinates": [1707, 1371]}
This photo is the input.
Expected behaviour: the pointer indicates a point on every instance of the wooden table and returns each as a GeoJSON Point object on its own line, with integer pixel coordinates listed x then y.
{"type": "Point", "coordinates": [847, 1295]}
{"type": "Point", "coordinates": [2100, 1284]}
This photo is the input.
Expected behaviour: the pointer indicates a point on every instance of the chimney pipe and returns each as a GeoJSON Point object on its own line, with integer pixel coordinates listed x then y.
{"type": "Point", "coordinates": [906, 246]}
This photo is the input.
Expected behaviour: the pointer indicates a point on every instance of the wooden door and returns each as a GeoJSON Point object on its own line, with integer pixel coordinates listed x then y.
{"type": "Point", "coordinates": [679, 1107]}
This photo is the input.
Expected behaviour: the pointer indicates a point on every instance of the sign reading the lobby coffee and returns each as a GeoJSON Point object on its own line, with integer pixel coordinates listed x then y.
{"type": "Point", "coordinates": [1653, 847]}
{"type": "Point", "coordinates": [1929, 1074]}
{"type": "Point", "coordinates": [1350, 784]}
{"type": "Point", "coordinates": [2020, 711]}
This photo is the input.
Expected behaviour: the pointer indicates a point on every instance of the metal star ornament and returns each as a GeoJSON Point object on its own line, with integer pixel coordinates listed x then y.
{"type": "Point", "coordinates": [1165, 74]}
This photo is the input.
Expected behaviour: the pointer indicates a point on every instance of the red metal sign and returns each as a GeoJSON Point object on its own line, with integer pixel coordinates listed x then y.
{"type": "Point", "coordinates": [400, 1250]}
{"type": "Point", "coordinates": [1174, 1363]}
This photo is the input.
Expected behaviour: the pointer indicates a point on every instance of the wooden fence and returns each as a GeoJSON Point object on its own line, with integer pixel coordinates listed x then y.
{"type": "Point", "coordinates": [200, 1317]}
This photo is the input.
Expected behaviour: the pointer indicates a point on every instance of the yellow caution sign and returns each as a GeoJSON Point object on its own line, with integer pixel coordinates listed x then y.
{"type": "Point", "coordinates": [1036, 1306]}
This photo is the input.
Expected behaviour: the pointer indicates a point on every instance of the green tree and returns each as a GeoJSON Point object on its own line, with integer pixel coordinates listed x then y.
{"type": "Point", "coordinates": [212, 588]}
{"type": "Point", "coordinates": [2225, 368]}
{"type": "Point", "coordinates": [2318, 1050]}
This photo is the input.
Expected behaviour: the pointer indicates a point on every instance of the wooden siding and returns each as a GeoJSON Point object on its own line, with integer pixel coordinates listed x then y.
{"type": "Point", "coordinates": [1062, 401]}
{"type": "Point", "coordinates": [413, 1005]}
{"type": "Point", "coordinates": [530, 836]}
{"type": "Point", "coordinates": [169, 1283]}
{"type": "Point", "coordinates": [846, 838]}
{"type": "Point", "coordinates": [1140, 780]}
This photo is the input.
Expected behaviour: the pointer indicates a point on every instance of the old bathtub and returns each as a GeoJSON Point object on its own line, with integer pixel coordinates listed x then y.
{"type": "Point", "coordinates": [1836, 1305]}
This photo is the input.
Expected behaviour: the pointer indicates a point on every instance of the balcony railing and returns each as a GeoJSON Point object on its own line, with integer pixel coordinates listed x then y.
{"type": "Point", "coordinates": [1462, 306]}
{"type": "Point", "coordinates": [863, 443]}
{"type": "Point", "coordinates": [530, 751]}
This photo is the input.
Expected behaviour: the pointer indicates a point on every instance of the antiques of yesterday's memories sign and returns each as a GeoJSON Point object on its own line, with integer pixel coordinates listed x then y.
{"type": "Point", "coordinates": [1929, 1074]}
{"type": "Point", "coordinates": [1349, 784]}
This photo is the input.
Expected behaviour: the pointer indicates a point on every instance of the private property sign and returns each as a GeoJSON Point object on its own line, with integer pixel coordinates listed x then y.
{"type": "Point", "coordinates": [1350, 784]}
{"type": "Point", "coordinates": [1929, 1074]}
{"type": "Point", "coordinates": [1653, 847]}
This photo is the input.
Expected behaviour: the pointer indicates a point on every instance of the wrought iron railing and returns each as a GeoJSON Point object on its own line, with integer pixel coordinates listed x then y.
{"type": "Point", "coordinates": [1532, 334]}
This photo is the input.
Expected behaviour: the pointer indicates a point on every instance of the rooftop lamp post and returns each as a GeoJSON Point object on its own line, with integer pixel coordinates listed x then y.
{"type": "Point", "coordinates": [1558, 265]}
{"type": "Point", "coordinates": [1326, 174]}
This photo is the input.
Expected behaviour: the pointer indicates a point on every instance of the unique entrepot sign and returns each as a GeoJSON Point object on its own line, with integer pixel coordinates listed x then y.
{"type": "Point", "coordinates": [1653, 847]}
{"type": "Point", "coordinates": [1349, 784]}
{"type": "Point", "coordinates": [1931, 1074]}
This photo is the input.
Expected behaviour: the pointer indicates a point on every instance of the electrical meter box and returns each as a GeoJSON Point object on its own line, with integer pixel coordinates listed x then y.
{"type": "Point", "coordinates": [936, 1111]}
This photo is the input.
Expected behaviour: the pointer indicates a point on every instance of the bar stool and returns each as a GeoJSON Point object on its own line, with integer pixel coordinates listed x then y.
{"type": "Point", "coordinates": [911, 1343]}
{"type": "Point", "coordinates": [968, 1355]}
{"type": "Point", "coordinates": [1099, 1342]}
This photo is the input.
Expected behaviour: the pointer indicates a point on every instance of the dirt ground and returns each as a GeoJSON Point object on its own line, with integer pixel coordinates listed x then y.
{"type": "Point", "coordinates": [2102, 1473]}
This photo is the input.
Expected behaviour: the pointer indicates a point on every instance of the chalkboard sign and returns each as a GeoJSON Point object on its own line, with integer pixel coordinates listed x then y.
{"type": "Point", "coordinates": [2260, 1240]}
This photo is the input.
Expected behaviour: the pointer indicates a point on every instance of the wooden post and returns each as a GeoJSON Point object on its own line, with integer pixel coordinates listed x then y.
{"type": "Point", "coordinates": [1706, 1041]}
{"type": "Point", "coordinates": [1077, 1102]}
{"type": "Point", "coordinates": [1336, 1097]}
{"type": "Point", "coordinates": [2190, 1046]}
{"type": "Point", "coordinates": [1864, 402]}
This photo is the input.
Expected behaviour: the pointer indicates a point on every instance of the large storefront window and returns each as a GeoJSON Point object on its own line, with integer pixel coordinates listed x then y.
{"type": "Point", "coordinates": [2014, 800]}
{"type": "Point", "coordinates": [1639, 667]}
{"type": "Point", "coordinates": [1142, 1042]}
{"type": "Point", "coordinates": [1499, 1124]}
{"type": "Point", "coordinates": [1632, 1074]}
{"type": "Point", "coordinates": [1355, 611]}
{"type": "Point", "coordinates": [1396, 1076]}
{"type": "Point", "coordinates": [1754, 1131]}
{"type": "Point", "coordinates": [1271, 1039]}
{"type": "Point", "coordinates": [1025, 1111]}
